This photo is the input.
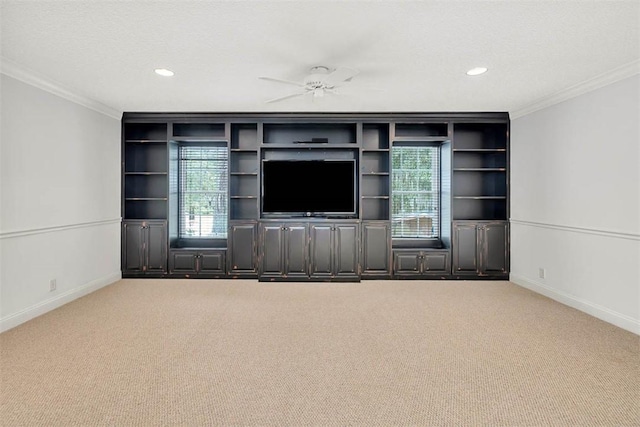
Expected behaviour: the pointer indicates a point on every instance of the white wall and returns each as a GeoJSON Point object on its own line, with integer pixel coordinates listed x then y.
{"type": "Point", "coordinates": [575, 202]}
{"type": "Point", "coordinates": [60, 201]}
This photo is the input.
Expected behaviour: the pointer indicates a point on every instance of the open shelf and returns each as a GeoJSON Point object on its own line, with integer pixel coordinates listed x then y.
{"type": "Point", "coordinates": [244, 185]}
{"type": "Point", "coordinates": [146, 132]}
{"type": "Point", "coordinates": [375, 162]}
{"type": "Point", "coordinates": [473, 183]}
{"type": "Point", "coordinates": [375, 208]}
{"type": "Point", "coordinates": [145, 186]}
{"type": "Point", "coordinates": [411, 131]}
{"type": "Point", "coordinates": [243, 172]}
{"type": "Point", "coordinates": [145, 209]}
{"type": "Point", "coordinates": [375, 136]}
{"type": "Point", "coordinates": [480, 171]}
{"type": "Point", "coordinates": [206, 131]}
{"type": "Point", "coordinates": [374, 185]}
{"type": "Point", "coordinates": [480, 160]}
{"type": "Point", "coordinates": [141, 157]}
{"type": "Point", "coordinates": [479, 136]}
{"type": "Point", "coordinates": [298, 134]}
{"type": "Point", "coordinates": [244, 162]}
{"type": "Point", "coordinates": [242, 208]}
{"type": "Point", "coordinates": [475, 208]}
{"type": "Point", "coordinates": [145, 177]}
{"type": "Point", "coordinates": [244, 136]}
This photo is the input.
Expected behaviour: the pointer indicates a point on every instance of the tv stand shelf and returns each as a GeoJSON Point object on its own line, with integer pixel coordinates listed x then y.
{"type": "Point", "coordinates": [354, 195]}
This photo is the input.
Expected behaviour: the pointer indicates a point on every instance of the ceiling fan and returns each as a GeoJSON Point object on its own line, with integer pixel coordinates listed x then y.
{"type": "Point", "coordinates": [319, 80]}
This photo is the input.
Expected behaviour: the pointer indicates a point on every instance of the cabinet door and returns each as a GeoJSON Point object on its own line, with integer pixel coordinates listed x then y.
{"type": "Point", "coordinates": [436, 262]}
{"type": "Point", "coordinates": [181, 261]}
{"type": "Point", "coordinates": [495, 259]}
{"type": "Point", "coordinates": [133, 246]}
{"type": "Point", "coordinates": [465, 248]}
{"type": "Point", "coordinates": [321, 236]}
{"type": "Point", "coordinates": [295, 259]}
{"type": "Point", "coordinates": [156, 246]}
{"type": "Point", "coordinates": [375, 249]}
{"type": "Point", "coordinates": [272, 250]}
{"type": "Point", "coordinates": [242, 249]}
{"type": "Point", "coordinates": [407, 263]}
{"type": "Point", "coordinates": [345, 250]}
{"type": "Point", "coordinates": [211, 262]}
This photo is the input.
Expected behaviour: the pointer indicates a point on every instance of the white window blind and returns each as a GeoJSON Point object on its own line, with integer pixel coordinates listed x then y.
{"type": "Point", "coordinates": [203, 189]}
{"type": "Point", "coordinates": [415, 191]}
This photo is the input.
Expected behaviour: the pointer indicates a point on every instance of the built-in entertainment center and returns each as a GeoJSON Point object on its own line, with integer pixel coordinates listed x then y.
{"type": "Point", "coordinates": [315, 196]}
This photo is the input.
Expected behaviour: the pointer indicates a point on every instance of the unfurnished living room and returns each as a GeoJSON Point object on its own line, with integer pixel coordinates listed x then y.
{"type": "Point", "coordinates": [319, 213]}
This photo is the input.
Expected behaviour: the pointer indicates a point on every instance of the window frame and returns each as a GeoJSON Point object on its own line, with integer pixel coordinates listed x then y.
{"type": "Point", "coordinates": [417, 241]}
{"type": "Point", "coordinates": [201, 241]}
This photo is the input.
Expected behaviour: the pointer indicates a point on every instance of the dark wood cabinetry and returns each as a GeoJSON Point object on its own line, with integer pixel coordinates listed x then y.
{"type": "Point", "coordinates": [242, 253]}
{"type": "Point", "coordinates": [480, 248]}
{"type": "Point", "coordinates": [334, 250]}
{"type": "Point", "coordinates": [144, 247]}
{"type": "Point", "coordinates": [318, 250]}
{"type": "Point", "coordinates": [480, 171]}
{"type": "Point", "coordinates": [456, 226]}
{"type": "Point", "coordinates": [376, 249]}
{"type": "Point", "coordinates": [416, 263]}
{"type": "Point", "coordinates": [284, 250]}
{"type": "Point", "coordinates": [189, 262]}
{"type": "Point", "coordinates": [375, 179]}
{"type": "Point", "coordinates": [144, 170]}
{"type": "Point", "coordinates": [244, 171]}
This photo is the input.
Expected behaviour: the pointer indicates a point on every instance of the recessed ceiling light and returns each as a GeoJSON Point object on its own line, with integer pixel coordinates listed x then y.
{"type": "Point", "coordinates": [164, 72]}
{"type": "Point", "coordinates": [476, 71]}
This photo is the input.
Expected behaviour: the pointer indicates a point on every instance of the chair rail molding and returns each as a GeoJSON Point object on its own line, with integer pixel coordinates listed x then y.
{"type": "Point", "coordinates": [584, 230]}
{"type": "Point", "coordinates": [53, 229]}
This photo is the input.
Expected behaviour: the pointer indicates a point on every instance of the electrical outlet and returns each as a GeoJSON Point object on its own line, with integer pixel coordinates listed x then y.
{"type": "Point", "coordinates": [542, 273]}
{"type": "Point", "coordinates": [52, 285]}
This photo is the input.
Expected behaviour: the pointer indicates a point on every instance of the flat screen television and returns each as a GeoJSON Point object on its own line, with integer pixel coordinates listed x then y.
{"type": "Point", "coordinates": [309, 188]}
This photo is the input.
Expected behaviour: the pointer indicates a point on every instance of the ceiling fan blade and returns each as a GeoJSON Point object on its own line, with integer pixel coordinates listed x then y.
{"type": "Point", "coordinates": [340, 75]}
{"type": "Point", "coordinates": [289, 82]}
{"type": "Point", "coordinates": [286, 96]}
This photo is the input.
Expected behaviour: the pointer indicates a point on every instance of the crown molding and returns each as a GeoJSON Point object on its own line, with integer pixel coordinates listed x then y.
{"type": "Point", "coordinates": [30, 77]}
{"type": "Point", "coordinates": [594, 83]}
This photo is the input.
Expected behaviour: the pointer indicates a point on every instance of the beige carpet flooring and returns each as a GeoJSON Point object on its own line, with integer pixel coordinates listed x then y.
{"type": "Point", "coordinates": [376, 353]}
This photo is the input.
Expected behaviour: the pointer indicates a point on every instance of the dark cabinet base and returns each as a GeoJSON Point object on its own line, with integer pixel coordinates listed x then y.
{"type": "Point", "coordinates": [421, 264]}
{"type": "Point", "coordinates": [202, 262]}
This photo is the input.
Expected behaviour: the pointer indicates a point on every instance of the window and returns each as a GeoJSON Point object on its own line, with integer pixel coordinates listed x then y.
{"type": "Point", "coordinates": [415, 191]}
{"type": "Point", "coordinates": [203, 189]}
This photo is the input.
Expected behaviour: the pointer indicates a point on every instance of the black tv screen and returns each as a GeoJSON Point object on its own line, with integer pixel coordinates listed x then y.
{"type": "Point", "coordinates": [309, 187]}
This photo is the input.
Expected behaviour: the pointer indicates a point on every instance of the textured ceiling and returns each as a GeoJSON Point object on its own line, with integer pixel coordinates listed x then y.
{"type": "Point", "coordinates": [412, 55]}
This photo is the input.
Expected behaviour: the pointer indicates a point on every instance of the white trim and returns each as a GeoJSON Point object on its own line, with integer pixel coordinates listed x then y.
{"type": "Point", "coordinates": [621, 320]}
{"type": "Point", "coordinates": [43, 307]}
{"type": "Point", "coordinates": [597, 82]}
{"type": "Point", "coordinates": [28, 232]}
{"type": "Point", "coordinates": [33, 78]}
{"type": "Point", "coordinates": [585, 230]}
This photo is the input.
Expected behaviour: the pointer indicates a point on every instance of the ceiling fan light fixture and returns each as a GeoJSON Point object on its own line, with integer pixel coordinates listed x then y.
{"type": "Point", "coordinates": [163, 72]}
{"type": "Point", "coordinates": [477, 71]}
{"type": "Point", "coordinates": [320, 80]}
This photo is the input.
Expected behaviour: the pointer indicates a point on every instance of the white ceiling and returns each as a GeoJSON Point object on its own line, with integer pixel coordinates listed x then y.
{"type": "Point", "coordinates": [412, 55]}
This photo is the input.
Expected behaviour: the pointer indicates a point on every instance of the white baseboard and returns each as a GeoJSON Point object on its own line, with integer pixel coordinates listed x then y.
{"type": "Point", "coordinates": [15, 319]}
{"type": "Point", "coordinates": [621, 320]}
